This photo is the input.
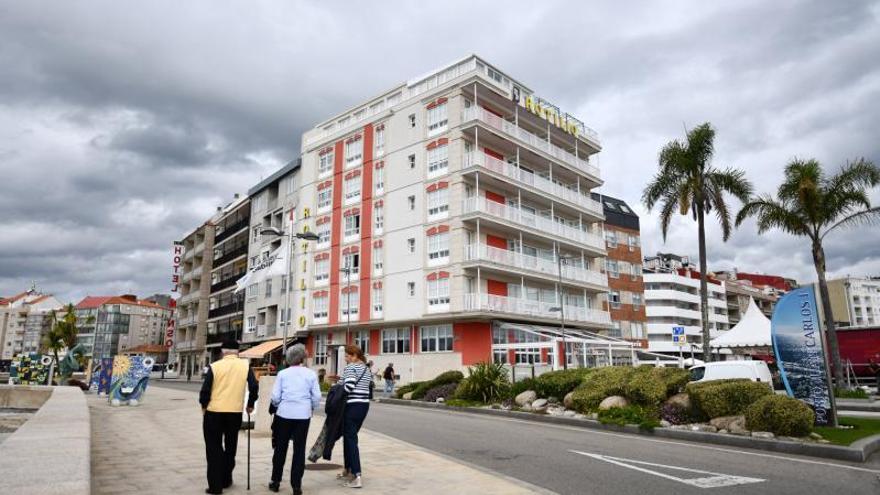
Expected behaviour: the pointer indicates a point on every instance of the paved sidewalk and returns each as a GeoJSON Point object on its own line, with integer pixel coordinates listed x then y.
{"type": "Point", "coordinates": [158, 447]}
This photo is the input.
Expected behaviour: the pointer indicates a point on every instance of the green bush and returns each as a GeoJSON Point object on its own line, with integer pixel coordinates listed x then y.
{"type": "Point", "coordinates": [559, 383]}
{"type": "Point", "coordinates": [725, 397]}
{"type": "Point", "coordinates": [645, 387]}
{"type": "Point", "coordinates": [405, 389]}
{"type": "Point", "coordinates": [645, 418]}
{"type": "Point", "coordinates": [325, 386]}
{"type": "Point", "coordinates": [675, 379]}
{"type": "Point", "coordinates": [601, 383]}
{"type": "Point", "coordinates": [521, 386]}
{"type": "Point", "coordinates": [856, 393]}
{"type": "Point", "coordinates": [781, 415]}
{"type": "Point", "coordinates": [486, 382]}
{"type": "Point", "coordinates": [444, 378]}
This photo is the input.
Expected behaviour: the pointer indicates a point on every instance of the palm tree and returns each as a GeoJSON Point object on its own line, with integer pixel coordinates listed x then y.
{"type": "Point", "coordinates": [811, 204]}
{"type": "Point", "coordinates": [686, 183]}
{"type": "Point", "coordinates": [62, 335]}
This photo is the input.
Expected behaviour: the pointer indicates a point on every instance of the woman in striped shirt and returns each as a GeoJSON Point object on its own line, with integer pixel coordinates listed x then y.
{"type": "Point", "coordinates": [356, 379]}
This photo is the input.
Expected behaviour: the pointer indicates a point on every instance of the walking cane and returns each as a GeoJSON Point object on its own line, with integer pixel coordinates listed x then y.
{"type": "Point", "coordinates": [249, 452]}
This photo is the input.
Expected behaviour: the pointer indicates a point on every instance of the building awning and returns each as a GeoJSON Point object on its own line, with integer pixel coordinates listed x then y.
{"type": "Point", "coordinates": [147, 349]}
{"type": "Point", "coordinates": [260, 351]}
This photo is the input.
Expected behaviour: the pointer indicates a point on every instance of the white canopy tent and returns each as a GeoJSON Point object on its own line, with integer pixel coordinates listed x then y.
{"type": "Point", "coordinates": [752, 331]}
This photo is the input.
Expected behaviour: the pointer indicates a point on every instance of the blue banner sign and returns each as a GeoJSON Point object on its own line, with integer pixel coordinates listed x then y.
{"type": "Point", "coordinates": [799, 348]}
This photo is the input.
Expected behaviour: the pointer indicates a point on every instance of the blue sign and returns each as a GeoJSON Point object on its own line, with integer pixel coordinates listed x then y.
{"type": "Point", "coordinates": [677, 330]}
{"type": "Point", "coordinates": [799, 348]}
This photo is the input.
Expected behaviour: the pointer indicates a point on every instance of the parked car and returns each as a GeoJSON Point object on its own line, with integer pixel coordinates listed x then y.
{"type": "Point", "coordinates": [756, 371]}
{"type": "Point", "coordinates": [170, 371]}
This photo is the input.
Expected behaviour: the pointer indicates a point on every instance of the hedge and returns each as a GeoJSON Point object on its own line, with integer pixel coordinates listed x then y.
{"type": "Point", "coordinates": [559, 383]}
{"type": "Point", "coordinates": [444, 378]}
{"type": "Point", "coordinates": [611, 380]}
{"type": "Point", "coordinates": [646, 385]}
{"type": "Point", "coordinates": [441, 391]}
{"type": "Point", "coordinates": [781, 415]}
{"type": "Point", "coordinates": [718, 398]}
{"type": "Point", "coordinates": [521, 386]}
{"type": "Point", "coordinates": [405, 389]}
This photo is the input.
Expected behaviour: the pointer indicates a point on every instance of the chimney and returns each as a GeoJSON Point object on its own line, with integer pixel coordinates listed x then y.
{"type": "Point", "coordinates": [219, 208]}
{"type": "Point", "coordinates": [236, 196]}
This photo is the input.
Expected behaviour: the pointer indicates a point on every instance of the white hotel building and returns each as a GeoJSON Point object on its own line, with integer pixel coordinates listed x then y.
{"type": "Point", "coordinates": [449, 200]}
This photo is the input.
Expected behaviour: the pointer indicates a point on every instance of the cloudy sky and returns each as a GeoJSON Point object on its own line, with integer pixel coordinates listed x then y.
{"type": "Point", "coordinates": [124, 124]}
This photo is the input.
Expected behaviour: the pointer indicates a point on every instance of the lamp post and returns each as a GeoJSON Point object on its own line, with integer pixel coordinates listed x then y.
{"type": "Point", "coordinates": [308, 236]}
{"type": "Point", "coordinates": [561, 307]}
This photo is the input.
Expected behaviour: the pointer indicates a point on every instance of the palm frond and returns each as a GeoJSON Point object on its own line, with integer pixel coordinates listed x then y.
{"type": "Point", "coordinates": [669, 205]}
{"type": "Point", "coordinates": [716, 195]}
{"type": "Point", "coordinates": [803, 178]}
{"type": "Point", "coordinates": [770, 213]}
{"type": "Point", "coordinates": [858, 174]}
{"type": "Point", "coordinates": [701, 146]}
{"type": "Point", "coordinates": [869, 217]}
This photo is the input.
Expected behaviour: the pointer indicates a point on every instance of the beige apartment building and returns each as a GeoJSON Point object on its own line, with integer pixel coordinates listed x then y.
{"type": "Point", "coordinates": [24, 320]}
{"type": "Point", "coordinates": [855, 301]}
{"type": "Point", "coordinates": [193, 304]}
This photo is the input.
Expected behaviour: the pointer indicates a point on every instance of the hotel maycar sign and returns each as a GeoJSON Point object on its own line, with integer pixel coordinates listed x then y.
{"type": "Point", "coordinates": [548, 112]}
{"type": "Point", "coordinates": [177, 256]}
{"type": "Point", "coordinates": [799, 346]}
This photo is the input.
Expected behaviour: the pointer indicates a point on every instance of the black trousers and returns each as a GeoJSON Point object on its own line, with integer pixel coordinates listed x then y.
{"type": "Point", "coordinates": [221, 443]}
{"type": "Point", "coordinates": [355, 414]}
{"type": "Point", "coordinates": [283, 431]}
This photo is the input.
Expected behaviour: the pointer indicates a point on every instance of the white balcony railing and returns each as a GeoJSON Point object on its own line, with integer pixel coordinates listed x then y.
{"type": "Point", "coordinates": [531, 179]}
{"type": "Point", "coordinates": [196, 272]}
{"type": "Point", "coordinates": [524, 307]}
{"type": "Point", "coordinates": [186, 321]}
{"type": "Point", "coordinates": [199, 248]}
{"type": "Point", "coordinates": [513, 259]}
{"type": "Point", "coordinates": [533, 222]}
{"type": "Point", "coordinates": [532, 140]}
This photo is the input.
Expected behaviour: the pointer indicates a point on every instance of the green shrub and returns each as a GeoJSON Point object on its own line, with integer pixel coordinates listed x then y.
{"type": "Point", "coordinates": [725, 397]}
{"type": "Point", "coordinates": [645, 418]}
{"type": "Point", "coordinates": [444, 378]}
{"type": "Point", "coordinates": [521, 386]}
{"type": "Point", "coordinates": [463, 403]}
{"type": "Point", "coordinates": [325, 386]}
{"type": "Point", "coordinates": [486, 382]}
{"type": "Point", "coordinates": [781, 415]}
{"type": "Point", "coordinates": [611, 380]}
{"type": "Point", "coordinates": [675, 379]}
{"type": "Point", "coordinates": [405, 389]}
{"type": "Point", "coordinates": [856, 393]}
{"type": "Point", "coordinates": [559, 383]}
{"type": "Point", "coordinates": [645, 387]}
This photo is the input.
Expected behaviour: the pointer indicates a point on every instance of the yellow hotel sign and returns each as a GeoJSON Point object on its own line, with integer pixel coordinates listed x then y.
{"type": "Point", "coordinates": [551, 115]}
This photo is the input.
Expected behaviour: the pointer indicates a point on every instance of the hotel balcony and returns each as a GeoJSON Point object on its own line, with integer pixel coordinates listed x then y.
{"type": "Point", "coordinates": [520, 135]}
{"type": "Point", "coordinates": [513, 261]}
{"type": "Point", "coordinates": [534, 309]}
{"type": "Point", "coordinates": [531, 181]}
{"type": "Point", "coordinates": [521, 219]}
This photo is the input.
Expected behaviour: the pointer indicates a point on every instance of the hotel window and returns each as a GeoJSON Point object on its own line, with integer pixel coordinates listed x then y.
{"type": "Point", "coordinates": [291, 184]}
{"type": "Point", "coordinates": [348, 302]}
{"type": "Point", "coordinates": [411, 245]}
{"type": "Point", "coordinates": [268, 288]}
{"type": "Point", "coordinates": [436, 338]}
{"type": "Point", "coordinates": [614, 299]}
{"type": "Point", "coordinates": [379, 141]}
{"type": "Point", "coordinates": [352, 225]}
{"type": "Point", "coordinates": [352, 188]}
{"type": "Point", "coordinates": [379, 180]}
{"type": "Point", "coordinates": [437, 119]}
{"type": "Point", "coordinates": [438, 204]}
{"type": "Point", "coordinates": [615, 329]}
{"type": "Point", "coordinates": [611, 268]}
{"type": "Point", "coordinates": [412, 161]}
{"type": "Point", "coordinates": [251, 324]}
{"type": "Point", "coordinates": [319, 307]}
{"type": "Point", "coordinates": [362, 340]}
{"type": "Point", "coordinates": [438, 293]}
{"type": "Point", "coordinates": [411, 289]}
{"type": "Point", "coordinates": [378, 218]}
{"type": "Point", "coordinates": [322, 271]}
{"type": "Point", "coordinates": [438, 248]}
{"type": "Point", "coordinates": [256, 234]}
{"type": "Point", "coordinates": [633, 242]}
{"type": "Point", "coordinates": [325, 198]}
{"type": "Point", "coordinates": [352, 261]}
{"type": "Point", "coordinates": [438, 160]}
{"type": "Point", "coordinates": [395, 341]}
{"type": "Point", "coordinates": [378, 261]}
{"type": "Point", "coordinates": [325, 164]}
{"type": "Point", "coordinates": [323, 233]}
{"type": "Point", "coordinates": [320, 348]}
{"type": "Point", "coordinates": [637, 301]}
{"type": "Point", "coordinates": [353, 152]}
{"type": "Point", "coordinates": [611, 238]}
{"type": "Point", "coordinates": [377, 302]}
{"type": "Point", "coordinates": [637, 330]}
{"type": "Point", "coordinates": [635, 270]}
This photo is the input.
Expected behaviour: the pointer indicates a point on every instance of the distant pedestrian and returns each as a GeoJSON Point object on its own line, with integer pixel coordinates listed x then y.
{"type": "Point", "coordinates": [388, 376]}
{"type": "Point", "coordinates": [356, 380]}
{"type": "Point", "coordinates": [222, 397]}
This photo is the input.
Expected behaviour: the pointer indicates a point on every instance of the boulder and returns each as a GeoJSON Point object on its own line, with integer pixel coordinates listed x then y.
{"type": "Point", "coordinates": [763, 434]}
{"type": "Point", "coordinates": [704, 428]}
{"type": "Point", "coordinates": [569, 413]}
{"type": "Point", "coordinates": [440, 400]}
{"type": "Point", "coordinates": [681, 400]}
{"type": "Point", "coordinates": [553, 400]}
{"type": "Point", "coordinates": [568, 400]}
{"type": "Point", "coordinates": [407, 396]}
{"type": "Point", "coordinates": [526, 408]}
{"type": "Point", "coordinates": [723, 431]}
{"type": "Point", "coordinates": [815, 436]}
{"type": "Point", "coordinates": [613, 401]}
{"type": "Point", "coordinates": [538, 404]}
{"type": "Point", "coordinates": [665, 424]}
{"type": "Point", "coordinates": [526, 397]}
{"type": "Point", "coordinates": [729, 422]}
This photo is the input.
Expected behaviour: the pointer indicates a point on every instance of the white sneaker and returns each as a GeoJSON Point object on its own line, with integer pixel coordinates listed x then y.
{"type": "Point", "coordinates": [354, 483]}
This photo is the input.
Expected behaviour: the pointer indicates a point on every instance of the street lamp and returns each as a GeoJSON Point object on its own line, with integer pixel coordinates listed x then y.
{"type": "Point", "coordinates": [307, 236]}
{"type": "Point", "coordinates": [561, 308]}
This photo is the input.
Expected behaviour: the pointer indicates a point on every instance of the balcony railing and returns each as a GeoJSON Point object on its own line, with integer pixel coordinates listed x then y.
{"type": "Point", "coordinates": [523, 307]}
{"type": "Point", "coordinates": [512, 130]}
{"type": "Point", "coordinates": [217, 338]}
{"type": "Point", "coordinates": [532, 222]}
{"type": "Point", "coordinates": [224, 310]}
{"type": "Point", "coordinates": [227, 282]}
{"type": "Point", "coordinates": [531, 179]}
{"type": "Point", "coordinates": [231, 230]}
{"type": "Point", "coordinates": [265, 330]}
{"type": "Point", "coordinates": [231, 255]}
{"type": "Point", "coordinates": [189, 320]}
{"type": "Point", "coordinates": [199, 248]}
{"type": "Point", "coordinates": [196, 272]}
{"type": "Point", "coordinates": [513, 259]}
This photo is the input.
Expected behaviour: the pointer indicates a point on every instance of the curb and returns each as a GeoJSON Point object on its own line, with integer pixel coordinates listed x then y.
{"type": "Point", "coordinates": [859, 451]}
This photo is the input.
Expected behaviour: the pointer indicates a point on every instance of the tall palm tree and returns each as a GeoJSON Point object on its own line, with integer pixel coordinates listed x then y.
{"type": "Point", "coordinates": [62, 335]}
{"type": "Point", "coordinates": [810, 204]}
{"type": "Point", "coordinates": [687, 182]}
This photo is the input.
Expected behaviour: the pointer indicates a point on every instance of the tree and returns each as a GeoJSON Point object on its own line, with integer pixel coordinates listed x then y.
{"type": "Point", "coordinates": [62, 335]}
{"type": "Point", "coordinates": [812, 205]}
{"type": "Point", "coordinates": [687, 182]}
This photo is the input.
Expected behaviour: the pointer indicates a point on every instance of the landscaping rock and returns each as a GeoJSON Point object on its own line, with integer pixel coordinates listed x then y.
{"type": "Point", "coordinates": [568, 400]}
{"type": "Point", "coordinates": [579, 416]}
{"type": "Point", "coordinates": [407, 396]}
{"type": "Point", "coordinates": [593, 416]}
{"type": "Point", "coordinates": [815, 436]}
{"type": "Point", "coordinates": [729, 423]}
{"type": "Point", "coordinates": [704, 428]}
{"type": "Point", "coordinates": [569, 413]}
{"type": "Point", "coordinates": [526, 397]}
{"type": "Point", "coordinates": [555, 411]}
{"type": "Point", "coordinates": [440, 400]}
{"type": "Point", "coordinates": [526, 408]}
{"type": "Point", "coordinates": [762, 434]}
{"type": "Point", "coordinates": [553, 400]}
{"type": "Point", "coordinates": [682, 400]}
{"type": "Point", "coordinates": [723, 430]}
{"type": "Point", "coordinates": [540, 403]}
{"type": "Point", "coordinates": [613, 401]}
{"type": "Point", "coordinates": [824, 441]}
{"type": "Point", "coordinates": [665, 424]}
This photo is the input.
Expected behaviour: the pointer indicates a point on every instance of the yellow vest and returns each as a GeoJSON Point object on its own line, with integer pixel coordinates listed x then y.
{"type": "Point", "coordinates": [230, 381]}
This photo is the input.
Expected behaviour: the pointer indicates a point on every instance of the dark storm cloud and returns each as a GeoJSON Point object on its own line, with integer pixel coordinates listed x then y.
{"type": "Point", "coordinates": [122, 128]}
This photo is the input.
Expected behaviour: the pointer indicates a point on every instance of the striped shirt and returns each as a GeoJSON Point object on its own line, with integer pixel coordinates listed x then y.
{"type": "Point", "coordinates": [358, 390]}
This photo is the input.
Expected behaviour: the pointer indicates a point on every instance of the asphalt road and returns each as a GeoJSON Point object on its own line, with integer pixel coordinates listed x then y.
{"type": "Point", "coordinates": [571, 460]}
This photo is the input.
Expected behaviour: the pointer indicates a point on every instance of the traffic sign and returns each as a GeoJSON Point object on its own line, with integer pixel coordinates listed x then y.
{"type": "Point", "coordinates": [677, 330]}
{"type": "Point", "coordinates": [679, 340]}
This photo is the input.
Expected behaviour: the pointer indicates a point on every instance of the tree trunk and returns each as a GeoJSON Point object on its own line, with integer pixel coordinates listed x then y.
{"type": "Point", "coordinates": [830, 330]}
{"type": "Point", "coordinates": [704, 286]}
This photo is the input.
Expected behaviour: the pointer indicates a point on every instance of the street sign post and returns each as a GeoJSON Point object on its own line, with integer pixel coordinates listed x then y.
{"type": "Point", "coordinates": [680, 339]}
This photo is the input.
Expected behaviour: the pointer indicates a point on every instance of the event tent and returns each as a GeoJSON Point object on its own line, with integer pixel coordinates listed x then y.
{"type": "Point", "coordinates": [753, 330]}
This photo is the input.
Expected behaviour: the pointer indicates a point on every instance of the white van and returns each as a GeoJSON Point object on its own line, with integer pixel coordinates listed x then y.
{"type": "Point", "coordinates": [756, 371]}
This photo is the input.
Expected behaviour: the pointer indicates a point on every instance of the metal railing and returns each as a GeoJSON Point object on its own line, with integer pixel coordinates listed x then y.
{"type": "Point", "coordinates": [513, 259]}
{"type": "Point", "coordinates": [231, 255]}
{"type": "Point", "coordinates": [231, 230]}
{"type": "Point", "coordinates": [524, 307]}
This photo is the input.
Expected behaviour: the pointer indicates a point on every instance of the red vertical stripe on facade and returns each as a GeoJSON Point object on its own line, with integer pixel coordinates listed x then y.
{"type": "Point", "coordinates": [491, 196]}
{"type": "Point", "coordinates": [496, 288]}
{"type": "Point", "coordinates": [336, 232]}
{"type": "Point", "coordinates": [366, 226]}
{"type": "Point", "coordinates": [375, 342]}
{"type": "Point", "coordinates": [474, 341]}
{"type": "Point", "coordinates": [496, 242]}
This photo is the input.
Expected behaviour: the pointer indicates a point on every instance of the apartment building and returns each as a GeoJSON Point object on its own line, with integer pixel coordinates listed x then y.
{"type": "Point", "coordinates": [742, 289]}
{"type": "Point", "coordinates": [623, 266]}
{"type": "Point", "coordinates": [450, 199]}
{"type": "Point", "coordinates": [855, 301]}
{"type": "Point", "coordinates": [110, 325]}
{"type": "Point", "coordinates": [672, 296]}
{"type": "Point", "coordinates": [192, 309]}
{"type": "Point", "coordinates": [229, 263]}
{"type": "Point", "coordinates": [24, 320]}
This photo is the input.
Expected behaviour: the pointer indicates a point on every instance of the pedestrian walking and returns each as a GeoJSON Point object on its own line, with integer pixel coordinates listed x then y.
{"type": "Point", "coordinates": [388, 376]}
{"type": "Point", "coordinates": [357, 382]}
{"type": "Point", "coordinates": [222, 399]}
{"type": "Point", "coordinates": [295, 395]}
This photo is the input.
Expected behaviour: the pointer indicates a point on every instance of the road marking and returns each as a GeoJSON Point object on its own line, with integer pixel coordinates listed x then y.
{"type": "Point", "coordinates": [715, 480]}
{"type": "Point", "coordinates": [646, 439]}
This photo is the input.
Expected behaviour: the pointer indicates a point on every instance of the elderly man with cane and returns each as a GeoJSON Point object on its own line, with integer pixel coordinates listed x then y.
{"type": "Point", "coordinates": [222, 399]}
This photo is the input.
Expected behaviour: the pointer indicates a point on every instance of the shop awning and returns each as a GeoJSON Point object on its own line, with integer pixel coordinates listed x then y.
{"type": "Point", "coordinates": [260, 351]}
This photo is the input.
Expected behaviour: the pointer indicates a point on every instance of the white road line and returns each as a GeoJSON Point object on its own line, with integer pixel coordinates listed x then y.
{"type": "Point", "coordinates": [715, 480]}
{"type": "Point", "coordinates": [668, 442]}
